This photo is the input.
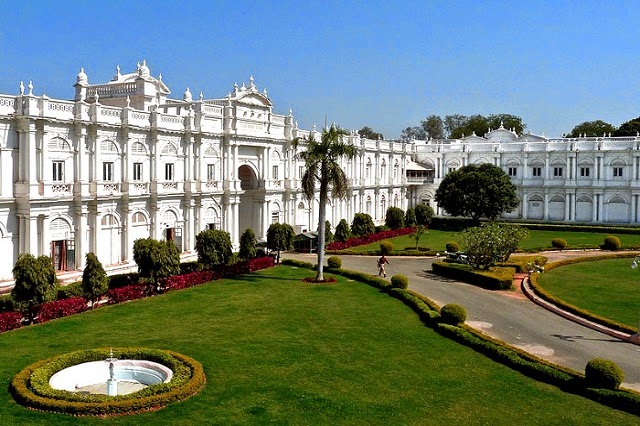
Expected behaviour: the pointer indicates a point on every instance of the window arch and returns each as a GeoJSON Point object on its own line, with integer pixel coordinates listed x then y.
{"type": "Point", "coordinates": [383, 169]}
{"type": "Point", "coordinates": [383, 205]}
{"type": "Point", "coordinates": [138, 148]}
{"type": "Point", "coordinates": [109, 221]}
{"type": "Point", "coordinates": [138, 218]}
{"type": "Point", "coordinates": [108, 147]}
{"type": "Point", "coordinates": [169, 149]}
{"type": "Point", "coordinates": [58, 144]}
{"type": "Point", "coordinates": [368, 204]}
{"type": "Point", "coordinates": [367, 170]}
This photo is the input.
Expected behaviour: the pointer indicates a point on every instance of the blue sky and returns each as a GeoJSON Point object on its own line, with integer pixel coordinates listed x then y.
{"type": "Point", "coordinates": [385, 65]}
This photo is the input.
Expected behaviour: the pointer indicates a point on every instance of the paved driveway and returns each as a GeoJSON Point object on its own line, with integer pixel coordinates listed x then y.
{"type": "Point", "coordinates": [509, 316]}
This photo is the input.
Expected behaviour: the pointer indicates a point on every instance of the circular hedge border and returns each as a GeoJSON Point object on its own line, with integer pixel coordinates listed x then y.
{"type": "Point", "coordinates": [30, 387]}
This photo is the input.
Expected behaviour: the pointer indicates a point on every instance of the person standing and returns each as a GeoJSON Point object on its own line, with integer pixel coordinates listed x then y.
{"type": "Point", "coordinates": [382, 272]}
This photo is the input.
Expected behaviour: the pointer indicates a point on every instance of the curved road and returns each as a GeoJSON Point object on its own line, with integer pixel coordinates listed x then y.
{"type": "Point", "coordinates": [510, 317]}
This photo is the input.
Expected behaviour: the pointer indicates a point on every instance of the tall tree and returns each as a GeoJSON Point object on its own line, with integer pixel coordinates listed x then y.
{"type": "Point", "coordinates": [362, 225]}
{"type": "Point", "coordinates": [629, 128]}
{"type": "Point", "coordinates": [248, 244]}
{"type": "Point", "coordinates": [452, 122]}
{"type": "Point", "coordinates": [369, 133]}
{"type": "Point", "coordinates": [322, 161]}
{"type": "Point", "coordinates": [156, 260]}
{"type": "Point", "coordinates": [424, 214]}
{"type": "Point", "coordinates": [508, 121]}
{"type": "Point", "coordinates": [477, 191]}
{"type": "Point", "coordinates": [343, 232]}
{"type": "Point", "coordinates": [433, 127]}
{"type": "Point", "coordinates": [591, 129]}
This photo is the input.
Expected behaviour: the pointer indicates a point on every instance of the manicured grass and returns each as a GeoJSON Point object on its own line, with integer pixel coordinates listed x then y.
{"type": "Point", "coordinates": [436, 240]}
{"type": "Point", "coordinates": [277, 350]}
{"type": "Point", "coordinates": [607, 288]}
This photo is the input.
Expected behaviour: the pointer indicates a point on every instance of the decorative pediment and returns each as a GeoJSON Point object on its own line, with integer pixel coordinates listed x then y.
{"type": "Point", "coordinates": [254, 99]}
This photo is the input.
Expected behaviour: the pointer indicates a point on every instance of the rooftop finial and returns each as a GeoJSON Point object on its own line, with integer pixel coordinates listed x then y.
{"type": "Point", "coordinates": [21, 87]}
{"type": "Point", "coordinates": [30, 87]}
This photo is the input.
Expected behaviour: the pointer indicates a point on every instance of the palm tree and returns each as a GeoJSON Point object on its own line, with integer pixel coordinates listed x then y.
{"type": "Point", "coordinates": [322, 167]}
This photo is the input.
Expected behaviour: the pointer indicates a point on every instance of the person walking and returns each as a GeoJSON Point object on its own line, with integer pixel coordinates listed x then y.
{"type": "Point", "coordinates": [382, 272]}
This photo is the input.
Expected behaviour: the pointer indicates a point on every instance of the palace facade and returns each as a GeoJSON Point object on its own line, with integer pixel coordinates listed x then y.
{"type": "Point", "coordinates": [123, 161]}
{"type": "Point", "coordinates": [586, 179]}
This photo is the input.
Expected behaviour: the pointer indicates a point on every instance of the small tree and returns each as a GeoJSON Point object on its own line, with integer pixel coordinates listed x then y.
{"type": "Point", "coordinates": [95, 282]}
{"type": "Point", "coordinates": [424, 214]}
{"type": "Point", "coordinates": [419, 232]}
{"type": "Point", "coordinates": [248, 244]}
{"type": "Point", "coordinates": [156, 260]}
{"type": "Point", "coordinates": [410, 218]}
{"type": "Point", "coordinates": [280, 237]}
{"type": "Point", "coordinates": [394, 218]}
{"type": "Point", "coordinates": [213, 247]}
{"type": "Point", "coordinates": [35, 282]}
{"type": "Point", "coordinates": [342, 231]}
{"type": "Point", "coordinates": [362, 225]}
{"type": "Point", "coordinates": [485, 245]}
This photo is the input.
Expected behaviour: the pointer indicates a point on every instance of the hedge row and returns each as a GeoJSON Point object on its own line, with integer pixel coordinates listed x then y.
{"type": "Point", "coordinates": [498, 278]}
{"type": "Point", "coordinates": [543, 294]}
{"type": "Point", "coordinates": [60, 308]}
{"type": "Point", "coordinates": [368, 239]}
{"type": "Point", "coordinates": [10, 321]}
{"type": "Point", "coordinates": [529, 365]}
{"type": "Point", "coordinates": [31, 387]}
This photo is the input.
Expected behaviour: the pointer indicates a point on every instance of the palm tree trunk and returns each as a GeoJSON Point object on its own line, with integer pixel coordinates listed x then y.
{"type": "Point", "coordinates": [322, 212]}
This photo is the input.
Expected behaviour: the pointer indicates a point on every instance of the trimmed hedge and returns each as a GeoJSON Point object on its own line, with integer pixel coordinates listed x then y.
{"type": "Point", "coordinates": [497, 278]}
{"type": "Point", "coordinates": [612, 243]}
{"type": "Point", "coordinates": [604, 374]}
{"type": "Point", "coordinates": [453, 314]}
{"type": "Point", "coordinates": [399, 281]}
{"type": "Point", "coordinates": [334, 262]}
{"type": "Point", "coordinates": [60, 308]}
{"type": "Point", "coordinates": [543, 294]}
{"type": "Point", "coordinates": [559, 243]}
{"type": "Point", "coordinates": [31, 387]}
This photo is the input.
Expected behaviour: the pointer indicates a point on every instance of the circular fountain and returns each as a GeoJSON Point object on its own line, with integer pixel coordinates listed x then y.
{"type": "Point", "coordinates": [111, 377]}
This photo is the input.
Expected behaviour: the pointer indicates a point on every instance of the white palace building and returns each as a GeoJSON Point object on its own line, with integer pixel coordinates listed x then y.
{"type": "Point", "coordinates": [123, 161]}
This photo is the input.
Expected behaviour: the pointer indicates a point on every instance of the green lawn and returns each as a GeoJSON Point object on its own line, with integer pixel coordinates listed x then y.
{"type": "Point", "coordinates": [608, 288]}
{"type": "Point", "coordinates": [436, 240]}
{"type": "Point", "coordinates": [277, 350]}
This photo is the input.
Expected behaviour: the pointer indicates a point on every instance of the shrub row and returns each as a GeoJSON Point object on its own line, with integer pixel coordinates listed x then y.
{"type": "Point", "coordinates": [190, 279]}
{"type": "Point", "coordinates": [31, 387]}
{"type": "Point", "coordinates": [521, 361]}
{"type": "Point", "coordinates": [498, 278]}
{"type": "Point", "coordinates": [60, 308]}
{"type": "Point", "coordinates": [543, 294]}
{"type": "Point", "coordinates": [353, 242]}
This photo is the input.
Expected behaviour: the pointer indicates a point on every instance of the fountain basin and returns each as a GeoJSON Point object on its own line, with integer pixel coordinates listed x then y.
{"type": "Point", "coordinates": [95, 374]}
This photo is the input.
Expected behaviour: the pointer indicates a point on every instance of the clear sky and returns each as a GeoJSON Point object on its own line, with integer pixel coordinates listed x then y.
{"type": "Point", "coordinates": [386, 65]}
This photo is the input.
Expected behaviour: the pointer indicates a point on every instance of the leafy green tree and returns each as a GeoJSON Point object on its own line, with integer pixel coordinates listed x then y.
{"type": "Point", "coordinates": [480, 125]}
{"type": "Point", "coordinates": [369, 133]}
{"type": "Point", "coordinates": [248, 244]}
{"type": "Point", "coordinates": [424, 214]}
{"type": "Point", "coordinates": [410, 218]}
{"type": "Point", "coordinates": [591, 129]}
{"type": "Point", "coordinates": [629, 128]}
{"type": "Point", "coordinates": [477, 191]}
{"type": "Point", "coordinates": [433, 127]}
{"type": "Point", "coordinates": [156, 260]}
{"type": "Point", "coordinates": [411, 133]}
{"type": "Point", "coordinates": [452, 122]}
{"type": "Point", "coordinates": [362, 225]}
{"type": "Point", "coordinates": [419, 232]}
{"type": "Point", "coordinates": [394, 218]}
{"type": "Point", "coordinates": [213, 247]}
{"type": "Point", "coordinates": [280, 237]}
{"type": "Point", "coordinates": [35, 282]}
{"type": "Point", "coordinates": [343, 232]}
{"type": "Point", "coordinates": [490, 243]}
{"type": "Point", "coordinates": [322, 166]}
{"type": "Point", "coordinates": [95, 282]}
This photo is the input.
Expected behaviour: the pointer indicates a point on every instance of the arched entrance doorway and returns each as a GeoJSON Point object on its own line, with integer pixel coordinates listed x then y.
{"type": "Point", "coordinates": [250, 206]}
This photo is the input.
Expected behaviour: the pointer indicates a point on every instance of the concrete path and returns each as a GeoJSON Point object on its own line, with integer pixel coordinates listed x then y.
{"type": "Point", "coordinates": [509, 316]}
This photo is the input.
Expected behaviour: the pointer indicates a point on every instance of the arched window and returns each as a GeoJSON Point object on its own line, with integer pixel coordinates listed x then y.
{"type": "Point", "coordinates": [367, 170]}
{"type": "Point", "coordinates": [107, 146]}
{"type": "Point", "coordinates": [383, 170]}
{"type": "Point", "coordinates": [368, 205]}
{"type": "Point", "coordinates": [396, 170]}
{"type": "Point", "coordinates": [383, 206]}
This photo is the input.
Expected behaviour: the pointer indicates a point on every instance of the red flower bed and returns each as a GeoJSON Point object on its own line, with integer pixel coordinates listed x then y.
{"type": "Point", "coordinates": [247, 266]}
{"type": "Point", "coordinates": [353, 242]}
{"type": "Point", "coordinates": [129, 292]}
{"type": "Point", "coordinates": [178, 282]}
{"type": "Point", "coordinates": [60, 308]}
{"type": "Point", "coordinates": [10, 320]}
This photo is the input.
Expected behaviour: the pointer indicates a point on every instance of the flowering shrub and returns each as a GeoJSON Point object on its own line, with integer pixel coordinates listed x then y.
{"type": "Point", "coordinates": [60, 308]}
{"type": "Point", "coordinates": [368, 239]}
{"type": "Point", "coordinates": [247, 266]}
{"type": "Point", "coordinates": [10, 320]}
{"type": "Point", "coordinates": [129, 292]}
